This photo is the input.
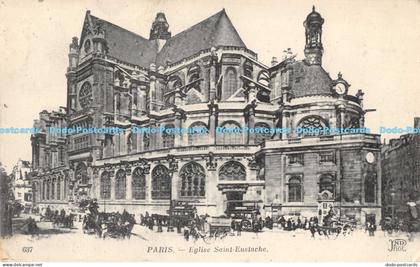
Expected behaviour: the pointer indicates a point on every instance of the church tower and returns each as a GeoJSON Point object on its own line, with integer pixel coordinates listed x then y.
{"type": "Point", "coordinates": [159, 30]}
{"type": "Point", "coordinates": [313, 34]}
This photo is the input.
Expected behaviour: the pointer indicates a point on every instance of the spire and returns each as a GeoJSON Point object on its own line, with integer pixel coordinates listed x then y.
{"type": "Point", "coordinates": [160, 28]}
{"type": "Point", "coordinates": [313, 33]}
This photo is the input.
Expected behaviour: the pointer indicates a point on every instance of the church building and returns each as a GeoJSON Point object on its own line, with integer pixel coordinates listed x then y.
{"type": "Point", "coordinates": [206, 80]}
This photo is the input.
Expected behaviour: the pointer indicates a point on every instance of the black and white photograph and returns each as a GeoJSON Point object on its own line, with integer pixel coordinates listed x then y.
{"type": "Point", "coordinates": [185, 131]}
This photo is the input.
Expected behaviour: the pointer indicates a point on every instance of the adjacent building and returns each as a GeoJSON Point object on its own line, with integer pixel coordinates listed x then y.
{"type": "Point", "coordinates": [22, 183]}
{"type": "Point", "coordinates": [206, 78]}
{"type": "Point", "coordinates": [401, 173]}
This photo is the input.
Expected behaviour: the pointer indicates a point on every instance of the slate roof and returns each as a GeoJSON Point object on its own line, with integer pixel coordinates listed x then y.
{"type": "Point", "coordinates": [216, 30]}
{"type": "Point", "coordinates": [308, 80]}
{"type": "Point", "coordinates": [130, 47]}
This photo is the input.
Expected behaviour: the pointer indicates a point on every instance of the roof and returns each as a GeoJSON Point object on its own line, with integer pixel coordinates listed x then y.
{"type": "Point", "coordinates": [216, 30]}
{"type": "Point", "coordinates": [130, 47]}
{"type": "Point", "coordinates": [308, 80]}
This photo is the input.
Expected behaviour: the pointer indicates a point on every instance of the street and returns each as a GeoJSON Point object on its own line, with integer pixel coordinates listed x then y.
{"type": "Point", "coordinates": [54, 244]}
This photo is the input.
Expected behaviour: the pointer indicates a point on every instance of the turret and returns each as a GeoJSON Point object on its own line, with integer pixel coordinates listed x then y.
{"type": "Point", "coordinates": [73, 54]}
{"type": "Point", "coordinates": [159, 30]}
{"type": "Point", "coordinates": [313, 34]}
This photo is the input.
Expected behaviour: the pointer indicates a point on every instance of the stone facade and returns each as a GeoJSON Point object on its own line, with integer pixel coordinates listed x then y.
{"type": "Point", "coordinates": [401, 173]}
{"type": "Point", "coordinates": [205, 77]}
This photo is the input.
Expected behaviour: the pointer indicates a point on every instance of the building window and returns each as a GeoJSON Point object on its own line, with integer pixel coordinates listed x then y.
{"type": "Point", "coordinates": [295, 159]}
{"type": "Point", "coordinates": [326, 183]}
{"type": "Point", "coordinates": [48, 190]}
{"type": "Point", "coordinates": [161, 183]}
{"type": "Point", "coordinates": [120, 185]}
{"type": "Point", "coordinates": [325, 157]}
{"type": "Point", "coordinates": [168, 137]}
{"type": "Point", "coordinates": [81, 173]}
{"type": "Point", "coordinates": [193, 180]}
{"type": "Point", "coordinates": [105, 186]}
{"type": "Point", "coordinates": [370, 188]}
{"type": "Point", "coordinates": [311, 126]}
{"type": "Point", "coordinates": [230, 83]}
{"type": "Point", "coordinates": [232, 171]}
{"type": "Point", "coordinates": [139, 184]}
{"type": "Point", "coordinates": [262, 132]}
{"type": "Point", "coordinates": [53, 189]}
{"type": "Point", "coordinates": [295, 189]}
{"type": "Point", "coordinates": [198, 134]}
{"type": "Point", "coordinates": [231, 133]}
{"type": "Point", "coordinates": [59, 188]}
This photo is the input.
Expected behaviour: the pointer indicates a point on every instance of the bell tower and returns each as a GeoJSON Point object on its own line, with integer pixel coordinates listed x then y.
{"type": "Point", "coordinates": [159, 30]}
{"type": "Point", "coordinates": [313, 34]}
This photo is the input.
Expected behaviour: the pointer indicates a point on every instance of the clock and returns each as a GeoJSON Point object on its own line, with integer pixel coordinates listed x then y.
{"type": "Point", "coordinates": [370, 157]}
{"type": "Point", "coordinates": [340, 88]}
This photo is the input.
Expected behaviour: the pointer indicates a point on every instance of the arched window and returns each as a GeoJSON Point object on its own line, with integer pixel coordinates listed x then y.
{"type": "Point", "coordinates": [105, 185]}
{"type": "Point", "coordinates": [295, 190]}
{"type": "Point", "coordinates": [139, 184]}
{"type": "Point", "coordinates": [231, 133]}
{"type": "Point", "coordinates": [232, 171]}
{"type": "Point", "coordinates": [312, 126]}
{"type": "Point", "coordinates": [326, 183]}
{"type": "Point", "coordinates": [81, 173]}
{"type": "Point", "coordinates": [198, 133]}
{"type": "Point", "coordinates": [59, 188]}
{"type": "Point", "coordinates": [370, 188]}
{"type": "Point", "coordinates": [168, 137]}
{"type": "Point", "coordinates": [65, 188]}
{"type": "Point", "coordinates": [48, 190]}
{"type": "Point", "coordinates": [53, 189]}
{"type": "Point", "coordinates": [262, 132]}
{"type": "Point", "coordinates": [193, 180]}
{"type": "Point", "coordinates": [161, 183]}
{"type": "Point", "coordinates": [120, 184]}
{"type": "Point", "coordinates": [230, 84]}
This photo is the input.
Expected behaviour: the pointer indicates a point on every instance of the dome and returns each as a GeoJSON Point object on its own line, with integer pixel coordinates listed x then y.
{"type": "Point", "coordinates": [314, 16]}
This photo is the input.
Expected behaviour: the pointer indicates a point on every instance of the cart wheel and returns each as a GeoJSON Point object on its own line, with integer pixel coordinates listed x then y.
{"type": "Point", "coordinates": [208, 238]}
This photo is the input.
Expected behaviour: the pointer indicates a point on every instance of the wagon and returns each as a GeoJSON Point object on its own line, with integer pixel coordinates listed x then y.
{"type": "Point", "coordinates": [219, 227]}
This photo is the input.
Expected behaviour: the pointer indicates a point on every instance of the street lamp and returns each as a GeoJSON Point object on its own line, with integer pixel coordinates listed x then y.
{"type": "Point", "coordinates": [173, 167]}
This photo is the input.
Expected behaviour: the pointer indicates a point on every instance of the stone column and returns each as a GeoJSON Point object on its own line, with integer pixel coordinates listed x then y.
{"type": "Point", "coordinates": [285, 124]}
{"type": "Point", "coordinates": [213, 89]}
{"type": "Point", "coordinates": [129, 192]}
{"type": "Point", "coordinates": [213, 110]}
{"type": "Point", "coordinates": [112, 177]}
{"type": "Point", "coordinates": [251, 124]}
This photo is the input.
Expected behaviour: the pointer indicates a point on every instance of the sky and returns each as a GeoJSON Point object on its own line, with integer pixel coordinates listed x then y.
{"type": "Point", "coordinates": [373, 43]}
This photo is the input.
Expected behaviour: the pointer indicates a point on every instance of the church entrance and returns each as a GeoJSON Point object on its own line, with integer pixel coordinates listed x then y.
{"type": "Point", "coordinates": [234, 199]}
